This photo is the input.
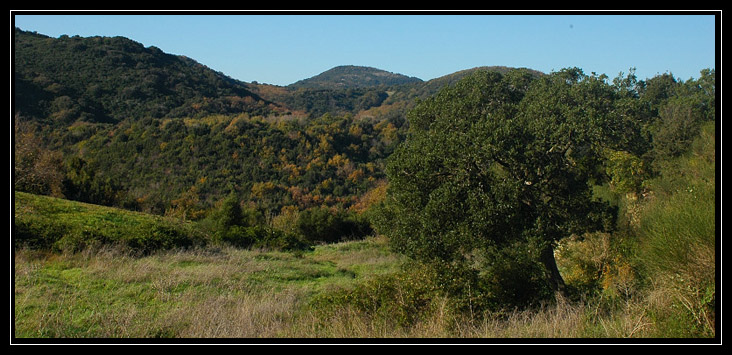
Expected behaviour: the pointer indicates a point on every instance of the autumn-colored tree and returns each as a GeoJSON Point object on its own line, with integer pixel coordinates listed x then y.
{"type": "Point", "coordinates": [186, 206]}
{"type": "Point", "coordinates": [36, 169]}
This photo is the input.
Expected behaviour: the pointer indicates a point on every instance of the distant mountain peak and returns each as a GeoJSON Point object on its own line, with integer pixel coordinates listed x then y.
{"type": "Point", "coordinates": [353, 77]}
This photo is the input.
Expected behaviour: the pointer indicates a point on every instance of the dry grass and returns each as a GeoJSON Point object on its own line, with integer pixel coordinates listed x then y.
{"type": "Point", "coordinates": [241, 295]}
{"type": "Point", "coordinates": [202, 293]}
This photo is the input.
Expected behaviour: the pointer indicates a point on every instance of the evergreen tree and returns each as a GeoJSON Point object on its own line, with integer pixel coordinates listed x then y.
{"type": "Point", "coordinates": [499, 162]}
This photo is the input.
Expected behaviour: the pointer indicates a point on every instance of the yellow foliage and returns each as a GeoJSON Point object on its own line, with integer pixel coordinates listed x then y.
{"type": "Point", "coordinates": [371, 197]}
{"type": "Point", "coordinates": [259, 189]}
{"type": "Point", "coordinates": [355, 131]}
{"type": "Point", "coordinates": [338, 160]}
{"type": "Point", "coordinates": [356, 176]}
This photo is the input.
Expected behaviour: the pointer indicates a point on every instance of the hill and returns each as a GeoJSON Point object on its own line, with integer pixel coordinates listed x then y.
{"type": "Point", "coordinates": [353, 77]}
{"type": "Point", "coordinates": [66, 80]}
{"type": "Point", "coordinates": [109, 79]}
{"type": "Point", "coordinates": [52, 223]}
{"type": "Point", "coordinates": [432, 86]}
{"type": "Point", "coordinates": [124, 120]}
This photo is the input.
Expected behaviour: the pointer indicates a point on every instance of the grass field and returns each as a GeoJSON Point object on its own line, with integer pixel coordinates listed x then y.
{"type": "Point", "coordinates": [106, 291]}
{"type": "Point", "coordinates": [194, 293]}
{"type": "Point", "coordinates": [92, 272]}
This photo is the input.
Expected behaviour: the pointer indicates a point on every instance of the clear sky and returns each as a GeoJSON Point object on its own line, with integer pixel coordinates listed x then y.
{"type": "Point", "coordinates": [282, 49]}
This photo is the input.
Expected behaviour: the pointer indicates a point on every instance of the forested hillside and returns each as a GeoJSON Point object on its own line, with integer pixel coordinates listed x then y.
{"type": "Point", "coordinates": [134, 127]}
{"type": "Point", "coordinates": [107, 80]}
{"type": "Point", "coordinates": [353, 77]}
{"type": "Point", "coordinates": [108, 121]}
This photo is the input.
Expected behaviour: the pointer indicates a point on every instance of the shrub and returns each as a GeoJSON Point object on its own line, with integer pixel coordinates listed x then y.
{"type": "Point", "coordinates": [678, 225]}
{"type": "Point", "coordinates": [61, 225]}
{"type": "Point", "coordinates": [626, 171]}
{"type": "Point", "coordinates": [401, 298]}
{"type": "Point", "coordinates": [321, 224]}
{"type": "Point", "coordinates": [259, 237]}
{"type": "Point", "coordinates": [237, 236]}
{"type": "Point", "coordinates": [36, 232]}
{"type": "Point", "coordinates": [514, 277]}
{"type": "Point", "coordinates": [270, 238]}
{"type": "Point", "coordinates": [160, 236]}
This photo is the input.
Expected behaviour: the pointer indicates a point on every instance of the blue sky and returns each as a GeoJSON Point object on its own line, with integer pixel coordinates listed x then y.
{"type": "Point", "coordinates": [282, 49]}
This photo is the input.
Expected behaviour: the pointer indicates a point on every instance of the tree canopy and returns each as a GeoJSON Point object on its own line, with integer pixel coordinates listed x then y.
{"type": "Point", "coordinates": [497, 160]}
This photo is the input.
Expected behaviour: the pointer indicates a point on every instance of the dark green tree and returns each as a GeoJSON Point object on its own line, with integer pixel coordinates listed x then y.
{"type": "Point", "coordinates": [681, 114]}
{"type": "Point", "coordinates": [497, 161]}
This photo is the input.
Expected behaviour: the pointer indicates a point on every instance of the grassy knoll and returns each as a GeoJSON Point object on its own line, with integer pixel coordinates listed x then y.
{"type": "Point", "coordinates": [43, 222]}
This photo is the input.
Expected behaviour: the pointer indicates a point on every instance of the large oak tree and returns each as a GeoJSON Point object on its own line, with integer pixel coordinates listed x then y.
{"type": "Point", "coordinates": [497, 161]}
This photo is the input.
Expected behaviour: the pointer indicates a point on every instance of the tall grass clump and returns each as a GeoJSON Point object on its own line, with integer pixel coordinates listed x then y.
{"type": "Point", "coordinates": [677, 235]}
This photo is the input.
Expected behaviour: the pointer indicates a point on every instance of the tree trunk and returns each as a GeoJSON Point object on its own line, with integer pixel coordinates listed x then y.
{"type": "Point", "coordinates": [555, 278]}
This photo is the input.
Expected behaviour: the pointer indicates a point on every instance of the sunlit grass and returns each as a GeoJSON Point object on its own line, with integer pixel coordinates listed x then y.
{"type": "Point", "coordinates": [211, 292]}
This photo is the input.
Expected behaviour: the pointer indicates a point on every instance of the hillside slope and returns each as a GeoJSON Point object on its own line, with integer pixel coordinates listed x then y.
{"type": "Point", "coordinates": [102, 79]}
{"type": "Point", "coordinates": [59, 224]}
{"type": "Point", "coordinates": [127, 120]}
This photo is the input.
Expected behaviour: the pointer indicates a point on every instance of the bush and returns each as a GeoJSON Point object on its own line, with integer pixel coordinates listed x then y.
{"type": "Point", "coordinates": [402, 298]}
{"type": "Point", "coordinates": [678, 225]}
{"type": "Point", "coordinates": [242, 228]}
{"type": "Point", "coordinates": [236, 236]}
{"type": "Point", "coordinates": [677, 240]}
{"type": "Point", "coordinates": [269, 238]}
{"type": "Point", "coordinates": [259, 237]}
{"type": "Point", "coordinates": [321, 224]}
{"type": "Point", "coordinates": [62, 225]}
{"type": "Point", "coordinates": [161, 236]}
{"type": "Point", "coordinates": [37, 233]}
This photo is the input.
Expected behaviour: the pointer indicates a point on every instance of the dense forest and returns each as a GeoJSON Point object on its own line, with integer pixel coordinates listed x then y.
{"type": "Point", "coordinates": [485, 175]}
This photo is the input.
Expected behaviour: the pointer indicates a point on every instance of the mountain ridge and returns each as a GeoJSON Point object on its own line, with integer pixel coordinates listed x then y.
{"type": "Point", "coordinates": [60, 81]}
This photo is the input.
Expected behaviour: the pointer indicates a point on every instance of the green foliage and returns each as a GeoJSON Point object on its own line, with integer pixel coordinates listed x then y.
{"type": "Point", "coordinates": [161, 236]}
{"type": "Point", "coordinates": [241, 227]}
{"type": "Point", "coordinates": [679, 224]}
{"type": "Point", "coordinates": [489, 163]}
{"type": "Point", "coordinates": [627, 172]}
{"type": "Point", "coordinates": [400, 299]}
{"type": "Point", "coordinates": [490, 173]}
{"type": "Point", "coordinates": [514, 278]}
{"type": "Point", "coordinates": [105, 80]}
{"type": "Point", "coordinates": [678, 239]}
{"type": "Point", "coordinates": [49, 223]}
{"type": "Point", "coordinates": [327, 161]}
{"type": "Point", "coordinates": [230, 213]}
{"type": "Point", "coordinates": [682, 109]}
{"type": "Point", "coordinates": [82, 182]}
{"type": "Point", "coordinates": [325, 225]}
{"type": "Point", "coordinates": [353, 77]}
{"type": "Point", "coordinates": [37, 232]}
{"type": "Point", "coordinates": [36, 169]}
{"type": "Point", "coordinates": [259, 237]}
